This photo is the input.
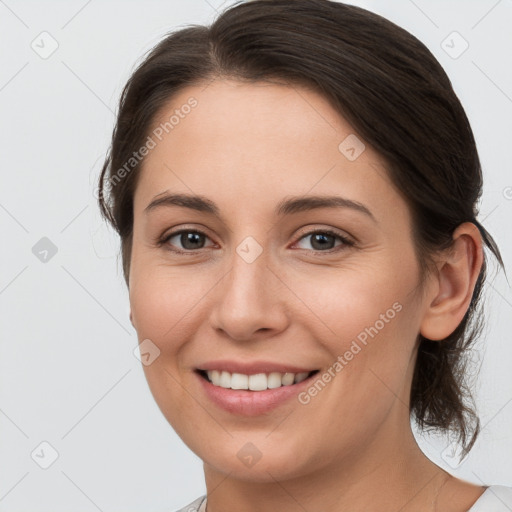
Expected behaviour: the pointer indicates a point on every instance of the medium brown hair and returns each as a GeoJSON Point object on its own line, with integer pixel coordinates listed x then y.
{"type": "Point", "coordinates": [389, 87]}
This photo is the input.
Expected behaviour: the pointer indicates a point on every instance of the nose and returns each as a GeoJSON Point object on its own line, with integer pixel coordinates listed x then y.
{"type": "Point", "coordinates": [250, 300]}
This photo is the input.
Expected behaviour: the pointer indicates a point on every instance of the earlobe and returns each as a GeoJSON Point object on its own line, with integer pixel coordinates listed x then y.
{"type": "Point", "coordinates": [458, 272]}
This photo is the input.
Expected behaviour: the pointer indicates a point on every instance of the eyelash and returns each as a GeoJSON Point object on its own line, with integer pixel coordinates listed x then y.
{"type": "Point", "coordinates": [346, 241]}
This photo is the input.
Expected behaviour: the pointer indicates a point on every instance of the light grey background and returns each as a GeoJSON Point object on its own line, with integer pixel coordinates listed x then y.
{"type": "Point", "coordinates": [68, 375]}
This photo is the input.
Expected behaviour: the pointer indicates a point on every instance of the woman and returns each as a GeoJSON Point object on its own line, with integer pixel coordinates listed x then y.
{"type": "Point", "coordinates": [318, 157]}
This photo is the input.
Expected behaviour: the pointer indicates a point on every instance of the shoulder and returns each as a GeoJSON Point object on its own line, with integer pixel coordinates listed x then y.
{"type": "Point", "coordinates": [194, 506]}
{"type": "Point", "coordinates": [496, 498]}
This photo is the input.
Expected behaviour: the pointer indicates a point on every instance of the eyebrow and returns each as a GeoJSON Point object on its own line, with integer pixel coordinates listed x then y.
{"type": "Point", "coordinates": [285, 207]}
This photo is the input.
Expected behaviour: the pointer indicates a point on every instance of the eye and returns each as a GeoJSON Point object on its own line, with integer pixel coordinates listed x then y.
{"type": "Point", "coordinates": [189, 239]}
{"type": "Point", "coordinates": [322, 240]}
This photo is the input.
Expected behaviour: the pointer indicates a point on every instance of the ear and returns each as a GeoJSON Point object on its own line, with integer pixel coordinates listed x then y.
{"type": "Point", "coordinates": [458, 271]}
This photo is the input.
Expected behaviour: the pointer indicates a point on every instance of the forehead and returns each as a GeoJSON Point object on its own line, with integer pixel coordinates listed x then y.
{"type": "Point", "coordinates": [261, 141]}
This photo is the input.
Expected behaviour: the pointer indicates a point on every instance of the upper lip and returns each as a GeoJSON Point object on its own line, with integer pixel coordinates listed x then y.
{"type": "Point", "coordinates": [253, 367]}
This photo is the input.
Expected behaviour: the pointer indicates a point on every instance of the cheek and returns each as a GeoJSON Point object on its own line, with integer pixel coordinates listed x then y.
{"type": "Point", "coordinates": [163, 301]}
{"type": "Point", "coordinates": [370, 354]}
{"type": "Point", "coordinates": [358, 299]}
{"type": "Point", "coordinates": [366, 319]}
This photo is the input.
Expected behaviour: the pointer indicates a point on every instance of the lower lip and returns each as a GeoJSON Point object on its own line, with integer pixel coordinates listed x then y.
{"type": "Point", "coordinates": [251, 403]}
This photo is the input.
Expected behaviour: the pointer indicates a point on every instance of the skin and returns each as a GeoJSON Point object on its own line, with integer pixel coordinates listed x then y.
{"type": "Point", "coordinates": [351, 448]}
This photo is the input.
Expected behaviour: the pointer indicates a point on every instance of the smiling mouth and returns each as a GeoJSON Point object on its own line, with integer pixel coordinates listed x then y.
{"type": "Point", "coordinates": [255, 382]}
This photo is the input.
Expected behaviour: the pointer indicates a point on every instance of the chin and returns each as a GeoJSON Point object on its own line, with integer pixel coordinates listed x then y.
{"type": "Point", "coordinates": [261, 472]}
{"type": "Point", "coordinates": [260, 460]}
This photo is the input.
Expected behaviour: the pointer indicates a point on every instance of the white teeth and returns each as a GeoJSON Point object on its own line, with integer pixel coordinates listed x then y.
{"type": "Point", "coordinates": [225, 380]}
{"type": "Point", "coordinates": [239, 381]}
{"type": "Point", "coordinates": [288, 379]}
{"type": "Point", "coordinates": [256, 382]}
{"type": "Point", "coordinates": [274, 380]}
{"type": "Point", "coordinates": [299, 377]}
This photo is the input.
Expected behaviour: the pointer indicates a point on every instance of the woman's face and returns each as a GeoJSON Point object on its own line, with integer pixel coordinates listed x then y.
{"type": "Point", "coordinates": [257, 291]}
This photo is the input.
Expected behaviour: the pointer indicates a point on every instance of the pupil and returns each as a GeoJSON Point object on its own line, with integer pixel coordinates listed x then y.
{"type": "Point", "coordinates": [321, 237]}
{"type": "Point", "coordinates": [190, 237]}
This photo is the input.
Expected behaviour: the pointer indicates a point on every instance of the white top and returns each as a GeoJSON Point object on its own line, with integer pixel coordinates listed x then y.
{"type": "Point", "coordinates": [496, 498]}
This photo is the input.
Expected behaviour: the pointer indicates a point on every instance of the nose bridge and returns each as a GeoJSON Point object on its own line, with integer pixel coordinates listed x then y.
{"type": "Point", "coordinates": [248, 301]}
{"type": "Point", "coordinates": [249, 266]}
{"type": "Point", "coordinates": [245, 282]}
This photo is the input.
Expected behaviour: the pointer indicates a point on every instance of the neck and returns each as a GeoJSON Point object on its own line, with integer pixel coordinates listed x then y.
{"type": "Point", "coordinates": [389, 473]}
